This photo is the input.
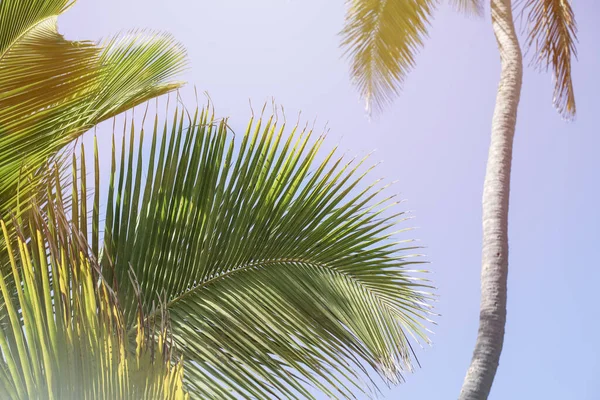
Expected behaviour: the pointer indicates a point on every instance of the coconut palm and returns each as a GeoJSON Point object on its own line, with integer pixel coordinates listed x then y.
{"type": "Point", "coordinates": [253, 262]}
{"type": "Point", "coordinates": [381, 38]}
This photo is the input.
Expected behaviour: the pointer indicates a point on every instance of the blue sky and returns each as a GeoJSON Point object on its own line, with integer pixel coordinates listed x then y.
{"type": "Point", "coordinates": [434, 140]}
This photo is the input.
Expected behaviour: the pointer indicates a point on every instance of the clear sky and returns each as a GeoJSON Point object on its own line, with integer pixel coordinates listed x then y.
{"type": "Point", "coordinates": [434, 140]}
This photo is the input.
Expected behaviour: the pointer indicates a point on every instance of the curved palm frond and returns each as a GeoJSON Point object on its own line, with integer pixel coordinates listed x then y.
{"type": "Point", "coordinates": [137, 66]}
{"type": "Point", "coordinates": [63, 335]}
{"type": "Point", "coordinates": [553, 37]}
{"type": "Point", "coordinates": [52, 90]}
{"type": "Point", "coordinates": [381, 38]}
{"type": "Point", "coordinates": [277, 272]}
{"type": "Point", "coordinates": [20, 16]}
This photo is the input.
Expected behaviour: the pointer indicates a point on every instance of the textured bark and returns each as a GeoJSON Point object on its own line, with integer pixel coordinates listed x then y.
{"type": "Point", "coordinates": [494, 268]}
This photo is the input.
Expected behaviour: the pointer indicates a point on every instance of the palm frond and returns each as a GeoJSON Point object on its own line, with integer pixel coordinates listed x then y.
{"type": "Point", "coordinates": [52, 90]}
{"type": "Point", "coordinates": [277, 272]}
{"type": "Point", "coordinates": [474, 7]}
{"type": "Point", "coordinates": [381, 39]}
{"type": "Point", "coordinates": [553, 36]}
{"type": "Point", "coordinates": [63, 334]}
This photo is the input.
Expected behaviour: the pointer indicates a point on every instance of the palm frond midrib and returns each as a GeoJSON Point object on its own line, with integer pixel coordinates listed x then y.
{"type": "Point", "coordinates": [258, 264]}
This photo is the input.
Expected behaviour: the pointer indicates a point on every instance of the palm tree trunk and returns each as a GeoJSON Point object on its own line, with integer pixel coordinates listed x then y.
{"type": "Point", "coordinates": [494, 268]}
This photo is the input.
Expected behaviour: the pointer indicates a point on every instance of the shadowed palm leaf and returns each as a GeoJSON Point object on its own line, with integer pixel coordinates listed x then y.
{"type": "Point", "coordinates": [276, 273]}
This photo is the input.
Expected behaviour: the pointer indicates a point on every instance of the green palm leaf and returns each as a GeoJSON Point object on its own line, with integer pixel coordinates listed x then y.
{"type": "Point", "coordinates": [277, 272]}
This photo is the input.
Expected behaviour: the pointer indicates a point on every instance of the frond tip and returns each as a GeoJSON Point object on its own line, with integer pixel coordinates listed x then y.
{"type": "Point", "coordinates": [474, 7]}
{"type": "Point", "coordinates": [381, 38]}
{"type": "Point", "coordinates": [553, 36]}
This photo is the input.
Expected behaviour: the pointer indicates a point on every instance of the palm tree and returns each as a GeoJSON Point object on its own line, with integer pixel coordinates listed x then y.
{"type": "Point", "coordinates": [381, 38]}
{"type": "Point", "coordinates": [238, 259]}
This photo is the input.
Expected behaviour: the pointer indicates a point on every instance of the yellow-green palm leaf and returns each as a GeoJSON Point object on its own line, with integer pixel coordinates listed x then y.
{"type": "Point", "coordinates": [52, 90]}
{"type": "Point", "coordinates": [381, 38]}
{"type": "Point", "coordinates": [63, 335]}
